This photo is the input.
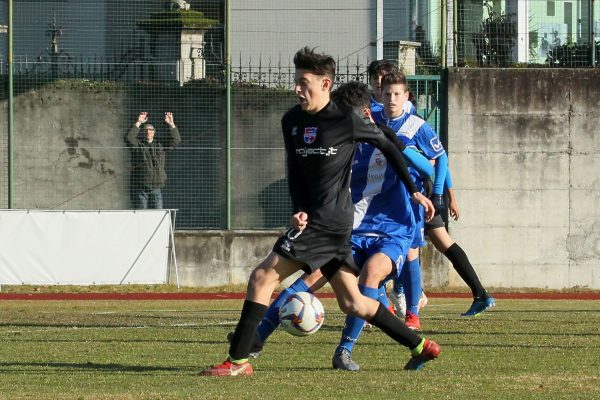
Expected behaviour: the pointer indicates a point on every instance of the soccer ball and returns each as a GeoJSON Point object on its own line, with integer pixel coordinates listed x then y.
{"type": "Point", "coordinates": [301, 314]}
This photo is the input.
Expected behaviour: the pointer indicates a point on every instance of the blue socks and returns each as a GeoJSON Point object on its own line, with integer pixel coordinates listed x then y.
{"type": "Point", "coordinates": [354, 325]}
{"type": "Point", "coordinates": [271, 320]}
{"type": "Point", "coordinates": [411, 280]}
{"type": "Point", "coordinates": [382, 296]}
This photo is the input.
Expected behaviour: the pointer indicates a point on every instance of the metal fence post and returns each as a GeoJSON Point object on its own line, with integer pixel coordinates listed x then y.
{"type": "Point", "coordinates": [10, 106]}
{"type": "Point", "coordinates": [592, 33]}
{"type": "Point", "coordinates": [228, 113]}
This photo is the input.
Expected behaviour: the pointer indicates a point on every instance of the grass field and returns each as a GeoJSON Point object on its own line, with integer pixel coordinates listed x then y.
{"type": "Point", "coordinates": [523, 349]}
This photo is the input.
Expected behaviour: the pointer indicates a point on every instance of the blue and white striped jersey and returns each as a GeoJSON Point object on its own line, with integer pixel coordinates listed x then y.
{"type": "Point", "coordinates": [415, 132]}
{"type": "Point", "coordinates": [381, 202]}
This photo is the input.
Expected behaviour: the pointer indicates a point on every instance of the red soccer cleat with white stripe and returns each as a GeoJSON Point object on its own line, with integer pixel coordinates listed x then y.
{"type": "Point", "coordinates": [228, 369]}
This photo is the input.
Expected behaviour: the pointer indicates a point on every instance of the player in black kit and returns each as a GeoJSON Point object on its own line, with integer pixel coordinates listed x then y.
{"type": "Point", "coordinates": [320, 144]}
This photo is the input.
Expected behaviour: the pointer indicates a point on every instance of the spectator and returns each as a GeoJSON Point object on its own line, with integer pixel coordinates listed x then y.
{"type": "Point", "coordinates": [148, 156]}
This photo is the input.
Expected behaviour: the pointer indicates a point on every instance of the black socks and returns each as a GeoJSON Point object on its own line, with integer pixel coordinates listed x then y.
{"type": "Point", "coordinates": [395, 328]}
{"type": "Point", "coordinates": [461, 264]}
{"type": "Point", "coordinates": [243, 337]}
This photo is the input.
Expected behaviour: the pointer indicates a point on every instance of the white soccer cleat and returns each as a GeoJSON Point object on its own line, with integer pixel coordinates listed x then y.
{"type": "Point", "coordinates": [399, 301]}
{"type": "Point", "coordinates": [423, 300]}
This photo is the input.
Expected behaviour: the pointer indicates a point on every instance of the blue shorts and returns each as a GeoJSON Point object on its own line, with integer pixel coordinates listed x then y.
{"type": "Point", "coordinates": [419, 236]}
{"type": "Point", "coordinates": [395, 248]}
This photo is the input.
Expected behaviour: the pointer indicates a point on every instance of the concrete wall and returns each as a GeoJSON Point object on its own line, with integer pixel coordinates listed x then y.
{"type": "Point", "coordinates": [217, 258]}
{"type": "Point", "coordinates": [525, 159]}
{"type": "Point", "coordinates": [68, 149]}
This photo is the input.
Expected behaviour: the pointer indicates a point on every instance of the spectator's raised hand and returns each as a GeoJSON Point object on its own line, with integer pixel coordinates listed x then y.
{"type": "Point", "coordinates": [169, 119]}
{"type": "Point", "coordinates": [142, 118]}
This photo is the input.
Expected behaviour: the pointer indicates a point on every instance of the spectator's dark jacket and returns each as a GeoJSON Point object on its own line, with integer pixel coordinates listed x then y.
{"type": "Point", "coordinates": [148, 159]}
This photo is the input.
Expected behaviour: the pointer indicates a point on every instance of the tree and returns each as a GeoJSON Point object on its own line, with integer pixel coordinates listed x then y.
{"type": "Point", "coordinates": [496, 38]}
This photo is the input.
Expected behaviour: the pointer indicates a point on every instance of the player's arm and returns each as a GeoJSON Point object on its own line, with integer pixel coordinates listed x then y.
{"type": "Point", "coordinates": [391, 147]}
{"type": "Point", "coordinates": [299, 221]}
{"type": "Point", "coordinates": [452, 202]}
{"type": "Point", "coordinates": [295, 185]}
{"type": "Point", "coordinates": [448, 184]}
{"type": "Point", "coordinates": [420, 163]}
{"type": "Point", "coordinates": [437, 195]}
{"type": "Point", "coordinates": [453, 205]}
{"type": "Point", "coordinates": [429, 143]}
{"type": "Point", "coordinates": [441, 170]}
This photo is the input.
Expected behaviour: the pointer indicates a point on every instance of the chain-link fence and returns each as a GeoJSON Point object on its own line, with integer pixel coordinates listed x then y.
{"type": "Point", "coordinates": [82, 72]}
{"type": "Point", "coordinates": [88, 76]}
{"type": "Point", "coordinates": [528, 32]}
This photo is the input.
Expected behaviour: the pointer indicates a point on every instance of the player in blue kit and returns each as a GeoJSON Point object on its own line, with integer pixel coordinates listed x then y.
{"type": "Point", "coordinates": [382, 231]}
{"type": "Point", "coordinates": [320, 142]}
{"type": "Point", "coordinates": [377, 70]}
{"type": "Point", "coordinates": [384, 226]}
{"type": "Point", "coordinates": [416, 133]}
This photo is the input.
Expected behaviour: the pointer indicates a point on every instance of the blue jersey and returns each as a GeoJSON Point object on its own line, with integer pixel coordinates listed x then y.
{"type": "Point", "coordinates": [375, 105]}
{"type": "Point", "coordinates": [417, 133]}
{"type": "Point", "coordinates": [381, 201]}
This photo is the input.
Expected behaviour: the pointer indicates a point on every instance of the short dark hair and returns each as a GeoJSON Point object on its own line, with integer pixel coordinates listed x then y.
{"type": "Point", "coordinates": [397, 78]}
{"type": "Point", "coordinates": [317, 63]}
{"type": "Point", "coordinates": [381, 67]}
{"type": "Point", "coordinates": [352, 95]}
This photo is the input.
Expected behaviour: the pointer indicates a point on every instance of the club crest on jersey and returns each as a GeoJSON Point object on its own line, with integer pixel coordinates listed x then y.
{"type": "Point", "coordinates": [310, 134]}
{"type": "Point", "coordinates": [435, 143]}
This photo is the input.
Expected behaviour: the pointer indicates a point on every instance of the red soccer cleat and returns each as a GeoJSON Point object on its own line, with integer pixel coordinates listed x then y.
{"type": "Point", "coordinates": [228, 369]}
{"type": "Point", "coordinates": [431, 350]}
{"type": "Point", "coordinates": [412, 321]}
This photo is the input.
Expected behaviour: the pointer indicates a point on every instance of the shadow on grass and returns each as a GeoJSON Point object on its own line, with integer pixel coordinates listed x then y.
{"type": "Point", "coordinates": [113, 341]}
{"type": "Point", "coordinates": [521, 332]}
{"type": "Point", "coordinates": [181, 325]}
{"type": "Point", "coordinates": [9, 367]}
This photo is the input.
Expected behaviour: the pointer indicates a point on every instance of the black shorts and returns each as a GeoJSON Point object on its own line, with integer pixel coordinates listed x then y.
{"type": "Point", "coordinates": [436, 222]}
{"type": "Point", "coordinates": [314, 247]}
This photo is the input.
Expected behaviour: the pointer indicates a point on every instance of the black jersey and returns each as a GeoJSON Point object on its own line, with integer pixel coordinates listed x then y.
{"type": "Point", "coordinates": [320, 150]}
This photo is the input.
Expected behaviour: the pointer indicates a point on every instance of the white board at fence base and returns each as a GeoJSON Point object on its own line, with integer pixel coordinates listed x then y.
{"type": "Point", "coordinates": [84, 247]}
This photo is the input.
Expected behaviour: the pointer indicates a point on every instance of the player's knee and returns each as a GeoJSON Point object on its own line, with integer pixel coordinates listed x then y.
{"type": "Point", "coordinates": [349, 307]}
{"type": "Point", "coordinates": [260, 277]}
{"type": "Point", "coordinates": [373, 277]}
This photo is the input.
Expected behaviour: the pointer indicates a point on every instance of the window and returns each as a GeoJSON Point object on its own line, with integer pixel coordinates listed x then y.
{"type": "Point", "coordinates": [550, 9]}
{"type": "Point", "coordinates": [569, 17]}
